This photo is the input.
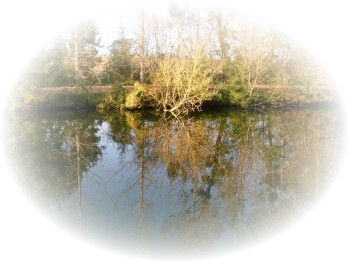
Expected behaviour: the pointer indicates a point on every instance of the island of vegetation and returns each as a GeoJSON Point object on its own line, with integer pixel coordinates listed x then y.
{"type": "Point", "coordinates": [179, 62]}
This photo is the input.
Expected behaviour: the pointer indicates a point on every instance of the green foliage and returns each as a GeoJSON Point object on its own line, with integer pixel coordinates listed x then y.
{"type": "Point", "coordinates": [241, 58]}
{"type": "Point", "coordinates": [138, 98]}
{"type": "Point", "coordinates": [119, 68]}
{"type": "Point", "coordinates": [53, 145]}
{"type": "Point", "coordinates": [228, 95]}
{"type": "Point", "coordinates": [114, 100]}
{"type": "Point", "coordinates": [222, 96]}
{"type": "Point", "coordinates": [83, 44]}
{"type": "Point", "coordinates": [54, 65]}
{"type": "Point", "coordinates": [239, 96]}
{"type": "Point", "coordinates": [47, 67]}
{"type": "Point", "coordinates": [228, 70]}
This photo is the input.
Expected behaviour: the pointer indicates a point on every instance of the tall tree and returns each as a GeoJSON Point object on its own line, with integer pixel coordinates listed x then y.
{"type": "Point", "coordinates": [253, 53]}
{"type": "Point", "coordinates": [221, 35]}
{"type": "Point", "coordinates": [82, 56]}
{"type": "Point", "coordinates": [120, 68]}
{"type": "Point", "coordinates": [48, 68]}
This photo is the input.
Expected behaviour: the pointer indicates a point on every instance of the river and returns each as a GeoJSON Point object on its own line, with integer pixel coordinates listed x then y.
{"type": "Point", "coordinates": [212, 181]}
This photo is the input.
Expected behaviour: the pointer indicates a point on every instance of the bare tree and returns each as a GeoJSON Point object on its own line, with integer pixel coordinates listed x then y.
{"type": "Point", "coordinates": [253, 53]}
{"type": "Point", "coordinates": [142, 49]}
{"type": "Point", "coordinates": [182, 84]}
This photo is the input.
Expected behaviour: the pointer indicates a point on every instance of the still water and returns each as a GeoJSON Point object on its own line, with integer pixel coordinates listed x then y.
{"type": "Point", "coordinates": [212, 181]}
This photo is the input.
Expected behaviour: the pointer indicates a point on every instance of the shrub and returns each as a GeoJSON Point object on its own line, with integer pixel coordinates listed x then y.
{"type": "Point", "coordinates": [138, 98]}
{"type": "Point", "coordinates": [114, 100]}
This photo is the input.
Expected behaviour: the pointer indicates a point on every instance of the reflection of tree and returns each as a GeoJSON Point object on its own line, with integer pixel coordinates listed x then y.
{"type": "Point", "coordinates": [282, 154]}
{"type": "Point", "coordinates": [199, 156]}
{"type": "Point", "coordinates": [193, 178]}
{"type": "Point", "coordinates": [120, 131]}
{"type": "Point", "coordinates": [243, 169]}
{"type": "Point", "coordinates": [140, 142]}
{"type": "Point", "coordinates": [182, 146]}
{"type": "Point", "coordinates": [131, 130]}
{"type": "Point", "coordinates": [53, 155]}
{"type": "Point", "coordinates": [81, 153]}
{"type": "Point", "coordinates": [142, 230]}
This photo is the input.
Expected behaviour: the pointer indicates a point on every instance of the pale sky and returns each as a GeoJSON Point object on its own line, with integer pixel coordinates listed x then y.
{"type": "Point", "coordinates": [111, 20]}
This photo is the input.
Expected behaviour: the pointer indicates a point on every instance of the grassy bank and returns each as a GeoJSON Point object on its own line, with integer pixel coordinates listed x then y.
{"type": "Point", "coordinates": [40, 99]}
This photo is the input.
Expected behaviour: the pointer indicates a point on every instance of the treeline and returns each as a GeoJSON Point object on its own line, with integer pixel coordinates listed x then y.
{"type": "Point", "coordinates": [182, 55]}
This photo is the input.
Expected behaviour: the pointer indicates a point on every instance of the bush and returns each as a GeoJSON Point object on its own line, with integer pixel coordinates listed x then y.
{"type": "Point", "coordinates": [138, 98]}
{"type": "Point", "coordinates": [222, 96]}
{"type": "Point", "coordinates": [239, 96]}
{"type": "Point", "coordinates": [114, 100]}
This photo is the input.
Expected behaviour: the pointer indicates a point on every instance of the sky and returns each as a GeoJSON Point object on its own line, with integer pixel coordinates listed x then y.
{"type": "Point", "coordinates": [321, 26]}
{"type": "Point", "coordinates": [126, 16]}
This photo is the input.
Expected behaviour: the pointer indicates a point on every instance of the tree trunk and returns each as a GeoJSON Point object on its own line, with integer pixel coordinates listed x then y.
{"type": "Point", "coordinates": [142, 46]}
{"type": "Point", "coordinates": [221, 35]}
{"type": "Point", "coordinates": [76, 54]}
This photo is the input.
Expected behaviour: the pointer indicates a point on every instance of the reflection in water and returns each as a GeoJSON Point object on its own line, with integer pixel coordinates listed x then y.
{"type": "Point", "coordinates": [169, 184]}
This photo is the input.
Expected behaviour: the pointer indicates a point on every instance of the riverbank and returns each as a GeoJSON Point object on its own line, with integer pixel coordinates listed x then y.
{"type": "Point", "coordinates": [109, 98]}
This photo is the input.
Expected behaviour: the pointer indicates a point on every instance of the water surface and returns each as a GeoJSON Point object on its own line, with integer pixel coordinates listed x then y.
{"type": "Point", "coordinates": [212, 181]}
